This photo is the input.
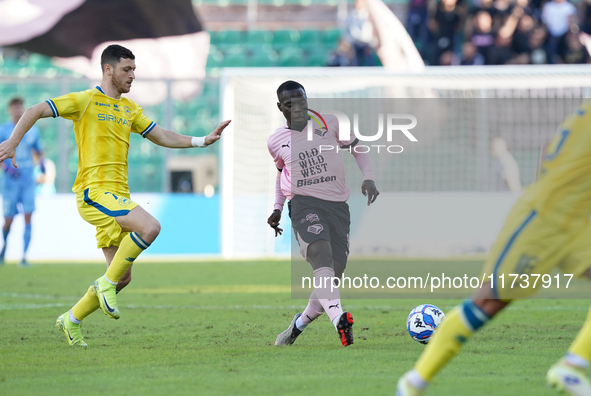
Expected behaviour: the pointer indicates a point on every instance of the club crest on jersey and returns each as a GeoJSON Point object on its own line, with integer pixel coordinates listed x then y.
{"type": "Point", "coordinates": [315, 229]}
{"type": "Point", "coordinates": [322, 126]}
{"type": "Point", "coordinates": [124, 201]}
{"type": "Point", "coordinates": [320, 132]}
{"type": "Point", "coordinates": [127, 111]}
{"type": "Point", "coordinates": [312, 217]}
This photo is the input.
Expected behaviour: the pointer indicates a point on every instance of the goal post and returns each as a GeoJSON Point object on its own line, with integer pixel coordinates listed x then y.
{"type": "Point", "coordinates": [248, 97]}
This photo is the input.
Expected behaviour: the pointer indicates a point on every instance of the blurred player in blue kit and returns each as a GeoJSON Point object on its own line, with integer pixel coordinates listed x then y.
{"type": "Point", "coordinates": [19, 183]}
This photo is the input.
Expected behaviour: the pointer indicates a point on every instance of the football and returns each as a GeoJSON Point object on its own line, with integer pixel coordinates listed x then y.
{"type": "Point", "coordinates": [422, 322]}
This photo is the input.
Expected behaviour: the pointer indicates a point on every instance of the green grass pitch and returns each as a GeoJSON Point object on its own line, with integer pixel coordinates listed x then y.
{"type": "Point", "coordinates": [207, 328]}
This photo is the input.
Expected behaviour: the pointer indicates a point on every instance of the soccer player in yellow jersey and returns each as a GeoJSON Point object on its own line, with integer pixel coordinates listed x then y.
{"type": "Point", "coordinates": [548, 227]}
{"type": "Point", "coordinates": [103, 121]}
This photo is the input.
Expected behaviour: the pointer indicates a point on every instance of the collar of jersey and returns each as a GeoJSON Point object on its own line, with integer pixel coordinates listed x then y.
{"type": "Point", "coordinates": [295, 130]}
{"type": "Point", "coordinates": [103, 92]}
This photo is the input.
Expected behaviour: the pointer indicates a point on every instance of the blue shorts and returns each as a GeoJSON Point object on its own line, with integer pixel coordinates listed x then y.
{"type": "Point", "coordinates": [18, 190]}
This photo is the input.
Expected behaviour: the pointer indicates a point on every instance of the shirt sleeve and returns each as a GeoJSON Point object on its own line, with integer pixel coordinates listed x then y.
{"type": "Point", "coordinates": [279, 197]}
{"type": "Point", "coordinates": [364, 164]}
{"type": "Point", "coordinates": [69, 106]}
{"type": "Point", "coordinates": [141, 124]}
{"type": "Point", "coordinates": [279, 164]}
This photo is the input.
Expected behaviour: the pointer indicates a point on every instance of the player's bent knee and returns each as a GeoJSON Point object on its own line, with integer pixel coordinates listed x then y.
{"type": "Point", "coordinates": [151, 231]}
{"type": "Point", "coordinates": [155, 229]}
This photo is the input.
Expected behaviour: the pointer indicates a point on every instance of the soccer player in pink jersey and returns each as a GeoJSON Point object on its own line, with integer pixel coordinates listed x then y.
{"type": "Point", "coordinates": [314, 182]}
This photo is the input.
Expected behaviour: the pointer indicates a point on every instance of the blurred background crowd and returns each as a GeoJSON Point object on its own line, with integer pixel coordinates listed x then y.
{"type": "Point", "coordinates": [480, 32]}
{"type": "Point", "coordinates": [500, 32]}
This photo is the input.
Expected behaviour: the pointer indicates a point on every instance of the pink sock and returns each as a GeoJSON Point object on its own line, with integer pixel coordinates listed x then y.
{"type": "Point", "coordinates": [330, 298]}
{"type": "Point", "coordinates": [313, 310]}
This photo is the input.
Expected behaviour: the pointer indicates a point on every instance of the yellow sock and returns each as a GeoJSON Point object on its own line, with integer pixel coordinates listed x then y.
{"type": "Point", "coordinates": [87, 305]}
{"type": "Point", "coordinates": [581, 346]}
{"type": "Point", "coordinates": [447, 340]}
{"type": "Point", "coordinates": [131, 246]}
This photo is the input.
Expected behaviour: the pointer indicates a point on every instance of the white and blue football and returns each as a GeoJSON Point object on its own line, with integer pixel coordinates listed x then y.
{"type": "Point", "coordinates": [422, 322]}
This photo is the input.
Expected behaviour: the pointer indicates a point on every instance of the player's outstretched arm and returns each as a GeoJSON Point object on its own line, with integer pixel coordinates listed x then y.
{"type": "Point", "coordinates": [165, 138]}
{"type": "Point", "coordinates": [29, 118]}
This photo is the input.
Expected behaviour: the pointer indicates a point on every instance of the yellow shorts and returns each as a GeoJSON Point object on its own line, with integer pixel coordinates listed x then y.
{"type": "Point", "coordinates": [528, 244]}
{"type": "Point", "coordinates": [100, 208]}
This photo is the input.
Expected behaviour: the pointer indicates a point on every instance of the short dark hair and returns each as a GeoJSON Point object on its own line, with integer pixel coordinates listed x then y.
{"type": "Point", "coordinates": [288, 86]}
{"type": "Point", "coordinates": [16, 101]}
{"type": "Point", "coordinates": [113, 54]}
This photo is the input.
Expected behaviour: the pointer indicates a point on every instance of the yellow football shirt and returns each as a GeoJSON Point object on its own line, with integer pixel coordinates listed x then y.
{"type": "Point", "coordinates": [563, 191]}
{"type": "Point", "coordinates": [102, 126]}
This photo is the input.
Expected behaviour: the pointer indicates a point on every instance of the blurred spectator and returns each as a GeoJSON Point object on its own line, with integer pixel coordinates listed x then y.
{"type": "Point", "coordinates": [527, 7]}
{"type": "Point", "coordinates": [538, 55]}
{"type": "Point", "coordinates": [502, 52]}
{"type": "Point", "coordinates": [585, 14]}
{"type": "Point", "coordinates": [505, 167]}
{"type": "Point", "coordinates": [447, 58]}
{"type": "Point", "coordinates": [520, 59]}
{"type": "Point", "coordinates": [470, 56]}
{"type": "Point", "coordinates": [482, 34]}
{"type": "Point", "coordinates": [485, 5]}
{"type": "Point", "coordinates": [525, 27]}
{"type": "Point", "coordinates": [344, 55]}
{"type": "Point", "coordinates": [416, 24]}
{"type": "Point", "coordinates": [575, 51]}
{"type": "Point", "coordinates": [556, 15]}
{"type": "Point", "coordinates": [444, 26]}
{"type": "Point", "coordinates": [502, 9]}
{"type": "Point", "coordinates": [360, 33]}
{"type": "Point", "coordinates": [536, 6]}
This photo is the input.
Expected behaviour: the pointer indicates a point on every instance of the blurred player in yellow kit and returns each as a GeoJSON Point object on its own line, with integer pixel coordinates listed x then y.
{"type": "Point", "coordinates": [103, 121]}
{"type": "Point", "coordinates": [548, 227]}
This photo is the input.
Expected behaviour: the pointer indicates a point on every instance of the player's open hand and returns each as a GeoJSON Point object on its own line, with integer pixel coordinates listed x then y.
{"type": "Point", "coordinates": [273, 221]}
{"type": "Point", "coordinates": [216, 134]}
{"type": "Point", "coordinates": [369, 190]}
{"type": "Point", "coordinates": [7, 150]}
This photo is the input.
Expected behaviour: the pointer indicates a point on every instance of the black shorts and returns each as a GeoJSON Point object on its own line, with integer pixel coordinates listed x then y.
{"type": "Point", "coordinates": [313, 219]}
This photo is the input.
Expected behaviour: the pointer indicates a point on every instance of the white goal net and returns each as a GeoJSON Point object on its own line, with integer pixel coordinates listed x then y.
{"type": "Point", "coordinates": [455, 161]}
